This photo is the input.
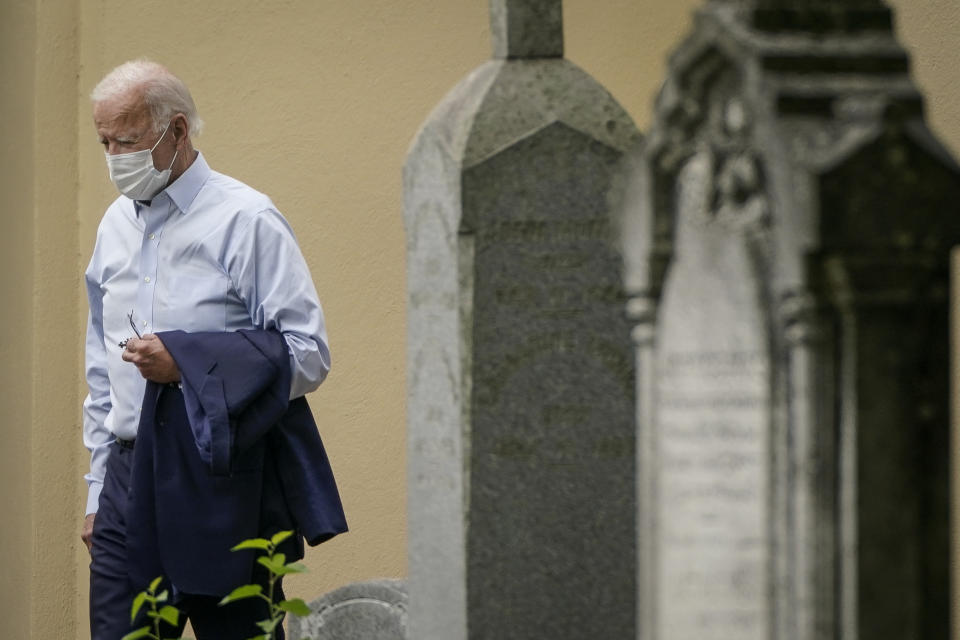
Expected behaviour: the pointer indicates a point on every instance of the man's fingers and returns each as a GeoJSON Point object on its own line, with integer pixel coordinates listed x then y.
{"type": "Point", "coordinates": [86, 533]}
{"type": "Point", "coordinates": [138, 349]}
{"type": "Point", "coordinates": [133, 345]}
{"type": "Point", "coordinates": [151, 358]}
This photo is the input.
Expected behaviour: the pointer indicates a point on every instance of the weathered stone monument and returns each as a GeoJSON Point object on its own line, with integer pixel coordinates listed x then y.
{"type": "Point", "coordinates": [520, 367]}
{"type": "Point", "coordinates": [788, 270]}
{"type": "Point", "coordinates": [372, 610]}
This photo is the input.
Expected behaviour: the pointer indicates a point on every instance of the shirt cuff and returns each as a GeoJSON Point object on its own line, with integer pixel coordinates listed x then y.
{"type": "Point", "coordinates": [93, 497]}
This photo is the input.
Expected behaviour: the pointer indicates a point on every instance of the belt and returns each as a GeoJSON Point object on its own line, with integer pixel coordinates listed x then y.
{"type": "Point", "coordinates": [126, 444]}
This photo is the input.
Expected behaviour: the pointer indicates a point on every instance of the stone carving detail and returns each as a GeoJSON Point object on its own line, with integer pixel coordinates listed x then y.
{"type": "Point", "coordinates": [739, 199]}
{"type": "Point", "coordinates": [801, 215]}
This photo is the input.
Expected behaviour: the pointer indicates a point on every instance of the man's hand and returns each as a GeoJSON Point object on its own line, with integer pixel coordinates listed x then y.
{"type": "Point", "coordinates": [152, 359]}
{"type": "Point", "coordinates": [86, 534]}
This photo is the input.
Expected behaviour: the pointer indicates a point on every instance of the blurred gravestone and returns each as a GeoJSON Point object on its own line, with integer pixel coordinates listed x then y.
{"type": "Point", "coordinates": [520, 368]}
{"type": "Point", "coordinates": [788, 264]}
{"type": "Point", "coordinates": [374, 610]}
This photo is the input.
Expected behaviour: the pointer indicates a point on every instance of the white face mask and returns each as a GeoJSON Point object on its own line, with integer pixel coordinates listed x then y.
{"type": "Point", "coordinates": [134, 174]}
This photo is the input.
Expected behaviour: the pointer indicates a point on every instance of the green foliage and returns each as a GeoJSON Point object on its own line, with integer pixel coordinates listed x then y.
{"type": "Point", "coordinates": [165, 613]}
{"type": "Point", "coordinates": [277, 567]}
{"type": "Point", "coordinates": [246, 591]}
{"type": "Point", "coordinates": [280, 537]}
{"type": "Point", "coordinates": [296, 606]}
{"type": "Point", "coordinates": [255, 543]}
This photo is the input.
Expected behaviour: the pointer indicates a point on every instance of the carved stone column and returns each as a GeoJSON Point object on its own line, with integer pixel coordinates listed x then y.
{"type": "Point", "coordinates": [522, 505]}
{"type": "Point", "coordinates": [800, 215]}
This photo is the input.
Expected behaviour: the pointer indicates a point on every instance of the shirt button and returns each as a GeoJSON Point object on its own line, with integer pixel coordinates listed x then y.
{"type": "Point", "coordinates": [147, 279]}
{"type": "Point", "coordinates": [144, 323]}
{"type": "Point", "coordinates": [151, 236]}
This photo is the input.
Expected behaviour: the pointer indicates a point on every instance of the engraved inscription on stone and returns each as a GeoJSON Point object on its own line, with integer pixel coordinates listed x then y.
{"type": "Point", "coordinates": [791, 333]}
{"type": "Point", "coordinates": [712, 423]}
{"type": "Point", "coordinates": [712, 455]}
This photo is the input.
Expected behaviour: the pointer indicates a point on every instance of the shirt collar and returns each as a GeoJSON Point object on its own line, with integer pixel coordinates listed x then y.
{"type": "Point", "coordinates": [184, 189]}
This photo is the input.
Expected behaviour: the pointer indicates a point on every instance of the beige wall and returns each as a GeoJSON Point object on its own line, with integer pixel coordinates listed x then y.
{"type": "Point", "coordinates": [315, 103]}
{"type": "Point", "coordinates": [16, 36]}
{"type": "Point", "coordinates": [39, 348]}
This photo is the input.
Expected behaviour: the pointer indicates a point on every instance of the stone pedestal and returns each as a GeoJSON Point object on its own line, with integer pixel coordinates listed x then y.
{"type": "Point", "coordinates": [520, 368]}
{"type": "Point", "coordinates": [789, 281]}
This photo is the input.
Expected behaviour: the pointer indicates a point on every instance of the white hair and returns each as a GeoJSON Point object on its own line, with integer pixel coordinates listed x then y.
{"type": "Point", "coordinates": [164, 93]}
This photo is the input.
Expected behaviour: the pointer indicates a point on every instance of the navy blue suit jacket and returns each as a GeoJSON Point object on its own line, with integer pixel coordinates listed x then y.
{"type": "Point", "coordinates": [264, 468]}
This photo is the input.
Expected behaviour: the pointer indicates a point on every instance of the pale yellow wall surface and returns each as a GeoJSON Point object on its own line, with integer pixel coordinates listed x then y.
{"type": "Point", "coordinates": [931, 31]}
{"type": "Point", "coordinates": [40, 359]}
{"type": "Point", "coordinates": [16, 70]}
{"type": "Point", "coordinates": [313, 102]}
{"type": "Point", "coordinates": [57, 360]}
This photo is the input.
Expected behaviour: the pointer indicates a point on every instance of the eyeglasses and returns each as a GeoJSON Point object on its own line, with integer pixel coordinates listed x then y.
{"type": "Point", "coordinates": [133, 325]}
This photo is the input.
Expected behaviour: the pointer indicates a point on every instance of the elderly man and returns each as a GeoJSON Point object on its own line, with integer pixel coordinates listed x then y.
{"type": "Point", "coordinates": [186, 255]}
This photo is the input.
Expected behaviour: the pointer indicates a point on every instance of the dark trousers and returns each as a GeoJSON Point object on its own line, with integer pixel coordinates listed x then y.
{"type": "Point", "coordinates": [111, 592]}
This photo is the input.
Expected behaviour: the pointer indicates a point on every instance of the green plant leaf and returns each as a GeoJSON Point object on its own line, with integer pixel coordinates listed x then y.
{"type": "Point", "coordinates": [278, 559]}
{"type": "Point", "coordinates": [156, 583]}
{"type": "Point", "coordinates": [269, 625]}
{"type": "Point", "coordinates": [296, 606]}
{"type": "Point", "coordinates": [163, 596]}
{"type": "Point", "coordinates": [142, 632]}
{"type": "Point", "coordinates": [280, 537]}
{"type": "Point", "coordinates": [259, 637]}
{"type": "Point", "coordinates": [253, 543]}
{"type": "Point", "coordinates": [137, 603]}
{"type": "Point", "coordinates": [281, 569]}
{"type": "Point", "coordinates": [170, 614]}
{"type": "Point", "coordinates": [271, 566]}
{"type": "Point", "coordinates": [293, 567]}
{"type": "Point", "coordinates": [246, 591]}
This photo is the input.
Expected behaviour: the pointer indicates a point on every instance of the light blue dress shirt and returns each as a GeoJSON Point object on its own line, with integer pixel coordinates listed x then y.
{"type": "Point", "coordinates": [207, 254]}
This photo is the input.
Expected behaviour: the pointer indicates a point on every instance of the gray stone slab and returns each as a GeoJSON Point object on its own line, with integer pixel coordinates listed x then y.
{"type": "Point", "coordinates": [551, 441]}
{"type": "Point", "coordinates": [788, 249]}
{"type": "Point", "coordinates": [713, 414]}
{"type": "Point", "coordinates": [520, 368]}
{"type": "Point", "coordinates": [527, 28]}
{"type": "Point", "coordinates": [372, 610]}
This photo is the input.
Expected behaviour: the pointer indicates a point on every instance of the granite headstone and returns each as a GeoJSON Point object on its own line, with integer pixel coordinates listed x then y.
{"type": "Point", "coordinates": [787, 260]}
{"type": "Point", "coordinates": [372, 610]}
{"type": "Point", "coordinates": [520, 367]}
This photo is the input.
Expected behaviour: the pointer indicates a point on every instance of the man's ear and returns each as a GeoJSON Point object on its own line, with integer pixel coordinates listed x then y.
{"type": "Point", "coordinates": [181, 128]}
